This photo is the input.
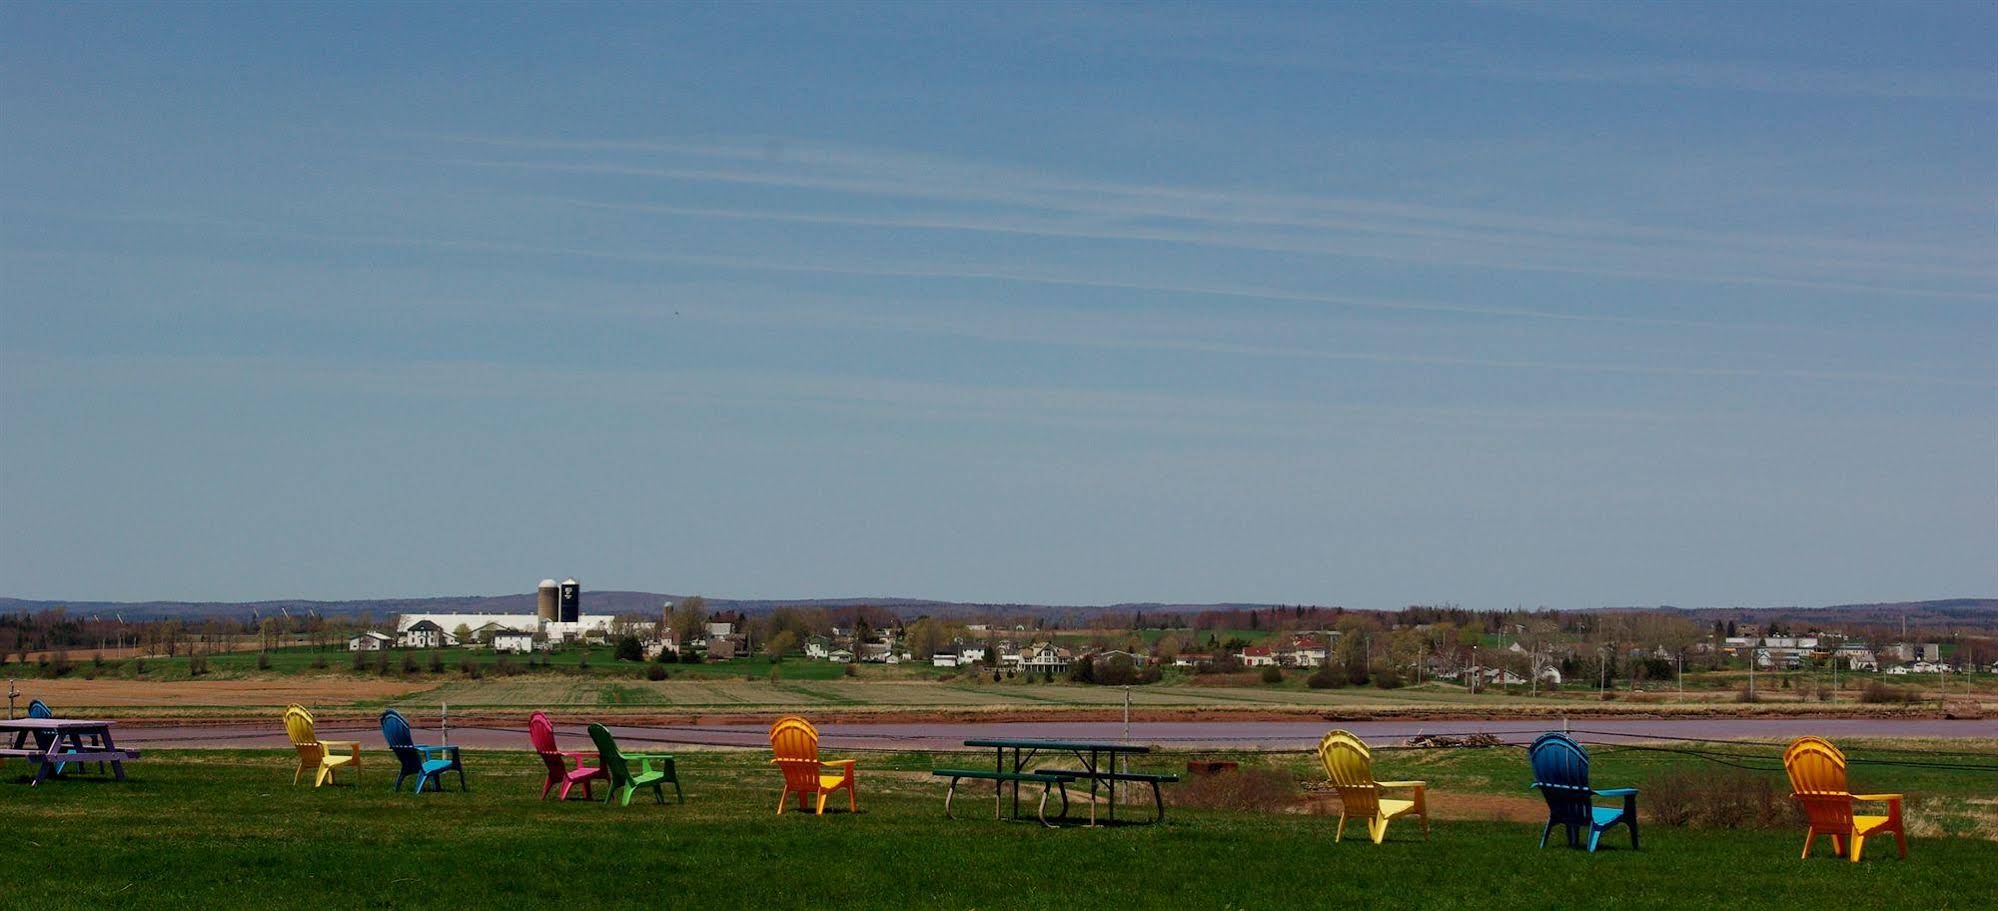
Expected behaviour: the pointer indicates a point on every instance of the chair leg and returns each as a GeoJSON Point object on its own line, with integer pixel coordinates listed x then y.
{"type": "Point", "coordinates": [853, 804]}
{"type": "Point", "coordinates": [462, 786]}
{"type": "Point", "coordinates": [1595, 835]}
{"type": "Point", "coordinates": [1341, 831]}
{"type": "Point", "coordinates": [822, 804]}
{"type": "Point", "coordinates": [1858, 845]}
{"type": "Point", "coordinates": [1377, 828]}
{"type": "Point", "coordinates": [679, 796]}
{"type": "Point", "coordinates": [295, 776]}
{"type": "Point", "coordinates": [1632, 822]}
{"type": "Point", "coordinates": [658, 794]}
{"type": "Point", "coordinates": [1901, 838]}
{"type": "Point", "coordinates": [1810, 835]}
{"type": "Point", "coordinates": [1545, 832]}
{"type": "Point", "coordinates": [1838, 845]}
{"type": "Point", "coordinates": [785, 797]}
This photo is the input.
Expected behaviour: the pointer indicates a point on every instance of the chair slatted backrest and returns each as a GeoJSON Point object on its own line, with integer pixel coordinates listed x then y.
{"type": "Point", "coordinates": [303, 733]}
{"type": "Point", "coordinates": [795, 744]}
{"type": "Point", "coordinates": [39, 709]}
{"type": "Point", "coordinates": [1817, 776]}
{"type": "Point", "coordinates": [608, 755]}
{"type": "Point", "coordinates": [395, 730]}
{"type": "Point", "coordinates": [1350, 765]}
{"type": "Point", "coordinates": [541, 732]}
{"type": "Point", "coordinates": [1561, 772]}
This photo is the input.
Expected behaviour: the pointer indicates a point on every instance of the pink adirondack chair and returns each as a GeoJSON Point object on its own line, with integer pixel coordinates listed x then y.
{"type": "Point", "coordinates": [542, 732]}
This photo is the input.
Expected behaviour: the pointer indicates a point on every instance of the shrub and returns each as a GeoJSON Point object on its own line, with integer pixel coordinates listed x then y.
{"type": "Point", "coordinates": [1722, 798]}
{"type": "Point", "coordinates": [656, 671]}
{"type": "Point", "coordinates": [319, 662]}
{"type": "Point", "coordinates": [628, 649]}
{"type": "Point", "coordinates": [1326, 677]}
{"type": "Point", "coordinates": [382, 663]}
{"type": "Point", "coordinates": [138, 665]}
{"type": "Point", "coordinates": [1880, 693]}
{"type": "Point", "coordinates": [1237, 789]}
{"type": "Point", "coordinates": [850, 671]}
{"type": "Point", "coordinates": [409, 665]}
{"type": "Point", "coordinates": [437, 663]}
{"type": "Point", "coordinates": [360, 661]}
{"type": "Point", "coordinates": [263, 661]}
{"type": "Point", "coordinates": [1388, 679]}
{"type": "Point", "coordinates": [1746, 695]}
{"type": "Point", "coordinates": [1272, 674]}
{"type": "Point", "coordinates": [96, 659]}
{"type": "Point", "coordinates": [197, 665]}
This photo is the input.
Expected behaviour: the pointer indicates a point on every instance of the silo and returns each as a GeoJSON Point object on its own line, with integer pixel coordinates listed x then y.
{"type": "Point", "coordinates": [546, 597]}
{"type": "Point", "coordinates": [571, 600]}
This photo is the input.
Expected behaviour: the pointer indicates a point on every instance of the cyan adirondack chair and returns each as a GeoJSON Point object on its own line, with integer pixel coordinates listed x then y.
{"type": "Point", "coordinates": [427, 763]}
{"type": "Point", "coordinates": [1561, 772]}
{"type": "Point", "coordinates": [40, 709]}
{"type": "Point", "coordinates": [541, 732]}
{"type": "Point", "coordinates": [622, 782]}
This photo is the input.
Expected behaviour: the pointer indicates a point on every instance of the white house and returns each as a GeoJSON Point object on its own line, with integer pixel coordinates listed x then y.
{"type": "Point", "coordinates": [1258, 656]}
{"type": "Point", "coordinates": [970, 654]}
{"type": "Point", "coordinates": [1045, 658]}
{"type": "Point", "coordinates": [424, 634]}
{"type": "Point", "coordinates": [513, 640]}
{"type": "Point", "coordinates": [720, 629]}
{"type": "Point", "coordinates": [943, 659]}
{"type": "Point", "coordinates": [370, 641]}
{"type": "Point", "coordinates": [840, 656]}
{"type": "Point", "coordinates": [1550, 674]}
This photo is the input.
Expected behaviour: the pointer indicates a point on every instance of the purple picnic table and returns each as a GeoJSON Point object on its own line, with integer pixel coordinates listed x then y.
{"type": "Point", "coordinates": [60, 740]}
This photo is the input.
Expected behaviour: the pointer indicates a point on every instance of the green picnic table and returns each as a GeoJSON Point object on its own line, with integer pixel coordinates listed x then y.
{"type": "Point", "coordinates": [1098, 763]}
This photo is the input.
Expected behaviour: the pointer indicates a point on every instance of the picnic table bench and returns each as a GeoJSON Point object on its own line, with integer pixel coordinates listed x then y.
{"type": "Point", "coordinates": [1047, 780]}
{"type": "Point", "coordinates": [59, 742]}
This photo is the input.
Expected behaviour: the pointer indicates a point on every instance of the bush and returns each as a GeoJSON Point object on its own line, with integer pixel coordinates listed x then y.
{"type": "Point", "coordinates": [1722, 798]}
{"type": "Point", "coordinates": [360, 661]}
{"type": "Point", "coordinates": [628, 649]}
{"type": "Point", "coordinates": [1746, 695]}
{"type": "Point", "coordinates": [319, 662]}
{"type": "Point", "coordinates": [437, 663]}
{"type": "Point", "coordinates": [850, 671]}
{"type": "Point", "coordinates": [1880, 693]}
{"type": "Point", "coordinates": [263, 661]}
{"type": "Point", "coordinates": [138, 665]}
{"type": "Point", "coordinates": [655, 671]}
{"type": "Point", "coordinates": [1272, 674]}
{"type": "Point", "coordinates": [1388, 679]}
{"type": "Point", "coordinates": [409, 665]}
{"type": "Point", "coordinates": [197, 665]}
{"type": "Point", "coordinates": [382, 663]}
{"type": "Point", "coordinates": [1326, 677]}
{"type": "Point", "coordinates": [1266, 790]}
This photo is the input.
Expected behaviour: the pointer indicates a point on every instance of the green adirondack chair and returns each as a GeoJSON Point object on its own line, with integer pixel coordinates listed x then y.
{"type": "Point", "coordinates": [622, 782]}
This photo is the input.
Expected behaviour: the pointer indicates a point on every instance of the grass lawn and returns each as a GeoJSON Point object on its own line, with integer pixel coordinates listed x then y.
{"type": "Point", "coordinates": [227, 829]}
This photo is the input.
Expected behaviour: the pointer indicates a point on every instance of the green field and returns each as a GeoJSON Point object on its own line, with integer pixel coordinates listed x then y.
{"type": "Point", "coordinates": [227, 829]}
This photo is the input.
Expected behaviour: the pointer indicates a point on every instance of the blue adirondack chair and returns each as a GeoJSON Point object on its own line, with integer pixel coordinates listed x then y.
{"type": "Point", "coordinates": [1561, 772]}
{"type": "Point", "coordinates": [40, 709]}
{"type": "Point", "coordinates": [427, 763]}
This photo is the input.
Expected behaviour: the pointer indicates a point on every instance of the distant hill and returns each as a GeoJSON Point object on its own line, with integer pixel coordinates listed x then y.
{"type": "Point", "coordinates": [1959, 613]}
{"type": "Point", "coordinates": [595, 602]}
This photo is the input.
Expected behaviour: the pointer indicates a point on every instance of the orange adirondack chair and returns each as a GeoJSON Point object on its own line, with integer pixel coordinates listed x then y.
{"type": "Point", "coordinates": [1817, 776]}
{"type": "Point", "coordinates": [796, 745]}
{"type": "Point", "coordinates": [1350, 765]}
{"type": "Point", "coordinates": [318, 755]}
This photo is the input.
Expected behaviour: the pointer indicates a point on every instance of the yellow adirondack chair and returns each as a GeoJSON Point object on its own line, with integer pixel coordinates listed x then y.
{"type": "Point", "coordinates": [323, 756]}
{"type": "Point", "coordinates": [1350, 765]}
{"type": "Point", "coordinates": [1817, 776]}
{"type": "Point", "coordinates": [796, 745]}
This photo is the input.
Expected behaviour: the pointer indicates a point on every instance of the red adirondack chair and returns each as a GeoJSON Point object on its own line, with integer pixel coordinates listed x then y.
{"type": "Point", "coordinates": [542, 732]}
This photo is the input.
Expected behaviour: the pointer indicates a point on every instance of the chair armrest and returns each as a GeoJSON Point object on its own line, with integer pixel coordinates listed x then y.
{"type": "Point", "coordinates": [1401, 784]}
{"type": "Point", "coordinates": [340, 744]}
{"type": "Point", "coordinates": [1616, 792]}
{"type": "Point", "coordinates": [666, 756]}
{"type": "Point", "coordinates": [429, 750]}
{"type": "Point", "coordinates": [580, 754]}
{"type": "Point", "coordinates": [1890, 798]}
{"type": "Point", "coordinates": [845, 762]}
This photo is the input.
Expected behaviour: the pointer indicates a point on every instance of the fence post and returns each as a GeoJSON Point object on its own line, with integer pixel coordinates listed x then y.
{"type": "Point", "coordinates": [447, 723]}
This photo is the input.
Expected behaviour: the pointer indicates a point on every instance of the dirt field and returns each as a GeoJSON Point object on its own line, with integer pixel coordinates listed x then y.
{"type": "Point", "coordinates": [75, 692]}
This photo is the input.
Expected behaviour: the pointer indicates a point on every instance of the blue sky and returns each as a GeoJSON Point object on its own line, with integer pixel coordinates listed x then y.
{"type": "Point", "coordinates": [1562, 304]}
